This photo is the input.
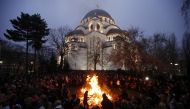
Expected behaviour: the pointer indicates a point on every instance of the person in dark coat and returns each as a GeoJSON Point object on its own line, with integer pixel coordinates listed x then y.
{"type": "Point", "coordinates": [106, 103]}
{"type": "Point", "coordinates": [85, 101]}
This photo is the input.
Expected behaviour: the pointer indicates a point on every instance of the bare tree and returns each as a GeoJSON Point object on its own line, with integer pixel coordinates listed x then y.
{"type": "Point", "coordinates": [134, 33]}
{"type": "Point", "coordinates": [186, 50]}
{"type": "Point", "coordinates": [94, 52]}
{"type": "Point", "coordinates": [171, 49]}
{"type": "Point", "coordinates": [57, 39]}
{"type": "Point", "coordinates": [12, 56]}
{"type": "Point", "coordinates": [185, 10]}
{"type": "Point", "coordinates": [126, 53]}
{"type": "Point", "coordinates": [163, 50]}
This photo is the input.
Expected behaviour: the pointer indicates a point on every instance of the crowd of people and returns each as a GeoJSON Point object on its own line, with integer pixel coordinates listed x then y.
{"type": "Point", "coordinates": [59, 91]}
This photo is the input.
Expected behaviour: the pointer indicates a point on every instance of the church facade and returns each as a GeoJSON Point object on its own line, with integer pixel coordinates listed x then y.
{"type": "Point", "coordinates": [89, 45]}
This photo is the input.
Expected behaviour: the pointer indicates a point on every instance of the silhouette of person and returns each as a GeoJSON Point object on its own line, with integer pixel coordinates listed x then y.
{"type": "Point", "coordinates": [85, 101]}
{"type": "Point", "coordinates": [106, 103]}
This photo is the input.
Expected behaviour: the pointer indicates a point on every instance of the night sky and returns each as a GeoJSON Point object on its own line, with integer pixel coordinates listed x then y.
{"type": "Point", "coordinates": [150, 16]}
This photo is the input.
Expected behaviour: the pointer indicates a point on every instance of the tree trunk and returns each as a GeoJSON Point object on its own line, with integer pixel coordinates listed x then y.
{"type": "Point", "coordinates": [94, 66]}
{"type": "Point", "coordinates": [35, 60]}
{"type": "Point", "coordinates": [95, 63]}
{"type": "Point", "coordinates": [38, 64]}
{"type": "Point", "coordinates": [87, 59]}
{"type": "Point", "coordinates": [27, 55]}
{"type": "Point", "coordinates": [18, 67]}
{"type": "Point", "coordinates": [61, 62]}
{"type": "Point", "coordinates": [188, 69]}
{"type": "Point", "coordinates": [102, 59]}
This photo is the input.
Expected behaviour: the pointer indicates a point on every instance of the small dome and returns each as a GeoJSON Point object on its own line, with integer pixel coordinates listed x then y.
{"type": "Point", "coordinates": [75, 32]}
{"type": "Point", "coordinates": [115, 31]}
{"type": "Point", "coordinates": [96, 13]}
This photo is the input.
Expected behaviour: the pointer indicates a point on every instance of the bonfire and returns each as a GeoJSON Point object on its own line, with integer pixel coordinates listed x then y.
{"type": "Point", "coordinates": [95, 92]}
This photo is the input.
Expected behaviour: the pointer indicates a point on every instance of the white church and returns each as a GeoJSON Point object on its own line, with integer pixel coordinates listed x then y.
{"type": "Point", "coordinates": [89, 45]}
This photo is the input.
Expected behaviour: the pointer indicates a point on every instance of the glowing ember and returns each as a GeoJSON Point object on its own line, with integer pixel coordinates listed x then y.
{"type": "Point", "coordinates": [94, 91]}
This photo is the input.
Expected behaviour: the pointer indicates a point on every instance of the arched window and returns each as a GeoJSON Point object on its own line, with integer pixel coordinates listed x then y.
{"type": "Point", "coordinates": [82, 39]}
{"type": "Point", "coordinates": [91, 27]}
{"type": "Point", "coordinates": [109, 38]}
{"type": "Point", "coordinates": [98, 26]}
{"type": "Point", "coordinates": [105, 19]}
{"type": "Point", "coordinates": [114, 46]}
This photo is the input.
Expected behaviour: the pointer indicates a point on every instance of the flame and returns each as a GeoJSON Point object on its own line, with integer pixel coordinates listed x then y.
{"type": "Point", "coordinates": [94, 91]}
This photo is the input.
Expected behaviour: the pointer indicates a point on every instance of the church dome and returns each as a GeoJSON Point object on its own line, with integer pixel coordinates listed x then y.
{"type": "Point", "coordinates": [96, 13]}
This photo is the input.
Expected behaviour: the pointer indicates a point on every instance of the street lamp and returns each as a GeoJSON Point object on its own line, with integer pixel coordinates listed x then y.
{"type": "Point", "coordinates": [146, 78]}
{"type": "Point", "coordinates": [174, 67]}
{"type": "Point", "coordinates": [176, 64]}
{"type": "Point", "coordinates": [1, 62]}
{"type": "Point", "coordinates": [31, 62]}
